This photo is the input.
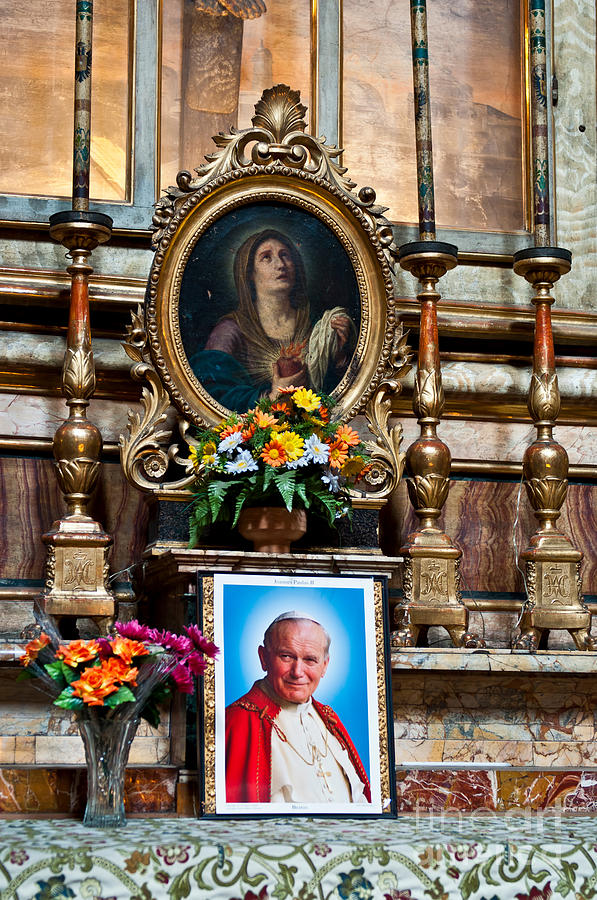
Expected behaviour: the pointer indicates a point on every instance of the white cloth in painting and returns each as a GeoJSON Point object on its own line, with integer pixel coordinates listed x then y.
{"type": "Point", "coordinates": [309, 765]}
{"type": "Point", "coordinates": [323, 345]}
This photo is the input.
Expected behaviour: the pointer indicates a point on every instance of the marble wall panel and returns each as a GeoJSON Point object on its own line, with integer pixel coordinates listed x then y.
{"type": "Point", "coordinates": [31, 500]}
{"type": "Point", "coordinates": [576, 148]}
{"type": "Point", "coordinates": [494, 790]}
{"type": "Point", "coordinates": [503, 441]}
{"type": "Point", "coordinates": [486, 519]}
{"type": "Point", "coordinates": [62, 790]}
{"type": "Point", "coordinates": [516, 720]}
{"type": "Point", "coordinates": [35, 416]}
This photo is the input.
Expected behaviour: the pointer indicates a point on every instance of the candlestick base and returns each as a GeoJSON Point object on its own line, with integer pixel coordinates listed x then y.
{"type": "Point", "coordinates": [554, 594]}
{"type": "Point", "coordinates": [431, 581]}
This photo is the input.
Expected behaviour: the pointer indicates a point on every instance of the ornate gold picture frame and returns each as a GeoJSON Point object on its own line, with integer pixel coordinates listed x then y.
{"type": "Point", "coordinates": [204, 345]}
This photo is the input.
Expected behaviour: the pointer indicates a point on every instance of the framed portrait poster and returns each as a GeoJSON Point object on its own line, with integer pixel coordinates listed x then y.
{"type": "Point", "coordinates": [296, 713]}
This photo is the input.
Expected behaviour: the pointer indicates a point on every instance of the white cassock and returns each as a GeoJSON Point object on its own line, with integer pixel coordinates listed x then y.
{"type": "Point", "coordinates": [309, 765]}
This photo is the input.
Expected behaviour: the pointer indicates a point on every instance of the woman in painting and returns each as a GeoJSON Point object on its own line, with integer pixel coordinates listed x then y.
{"type": "Point", "coordinates": [270, 341]}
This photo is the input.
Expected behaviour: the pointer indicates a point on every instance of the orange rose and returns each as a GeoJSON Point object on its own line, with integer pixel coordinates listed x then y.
{"type": "Point", "coordinates": [126, 649]}
{"type": "Point", "coordinates": [77, 652]}
{"type": "Point", "coordinates": [94, 685]}
{"type": "Point", "coordinates": [120, 671]}
{"type": "Point", "coordinates": [33, 648]}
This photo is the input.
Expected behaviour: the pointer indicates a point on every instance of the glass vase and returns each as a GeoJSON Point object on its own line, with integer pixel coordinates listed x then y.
{"type": "Point", "coordinates": [107, 744]}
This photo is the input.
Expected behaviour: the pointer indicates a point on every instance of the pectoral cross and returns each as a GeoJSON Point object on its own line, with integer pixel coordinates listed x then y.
{"type": "Point", "coordinates": [321, 774]}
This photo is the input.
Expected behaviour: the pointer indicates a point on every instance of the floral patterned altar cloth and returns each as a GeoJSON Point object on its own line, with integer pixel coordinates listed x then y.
{"type": "Point", "coordinates": [472, 857]}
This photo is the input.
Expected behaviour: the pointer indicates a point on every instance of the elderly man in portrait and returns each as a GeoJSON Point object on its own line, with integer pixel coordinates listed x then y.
{"type": "Point", "coordinates": [282, 745]}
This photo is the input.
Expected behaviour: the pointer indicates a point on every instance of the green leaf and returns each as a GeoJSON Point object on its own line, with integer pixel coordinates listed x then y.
{"type": "Point", "coordinates": [66, 700]}
{"type": "Point", "coordinates": [69, 673]}
{"type": "Point", "coordinates": [286, 484]}
{"type": "Point", "coordinates": [122, 695]}
{"type": "Point", "coordinates": [216, 494]}
{"type": "Point", "coordinates": [469, 882]}
{"type": "Point", "coordinates": [328, 502]}
{"type": "Point", "coordinates": [268, 476]}
{"type": "Point", "coordinates": [240, 502]}
{"type": "Point", "coordinates": [301, 492]}
{"type": "Point", "coordinates": [54, 670]}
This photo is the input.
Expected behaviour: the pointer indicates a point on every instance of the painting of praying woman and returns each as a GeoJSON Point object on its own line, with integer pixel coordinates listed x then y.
{"type": "Point", "coordinates": [269, 300]}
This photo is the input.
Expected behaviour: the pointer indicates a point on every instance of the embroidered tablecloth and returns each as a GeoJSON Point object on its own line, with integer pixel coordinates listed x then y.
{"type": "Point", "coordinates": [473, 857]}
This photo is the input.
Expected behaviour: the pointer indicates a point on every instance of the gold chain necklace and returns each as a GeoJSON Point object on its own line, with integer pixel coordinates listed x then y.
{"type": "Point", "coordinates": [315, 751]}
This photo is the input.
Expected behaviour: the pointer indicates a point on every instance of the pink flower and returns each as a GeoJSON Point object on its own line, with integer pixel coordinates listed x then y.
{"type": "Point", "coordinates": [196, 663]}
{"type": "Point", "coordinates": [104, 647]}
{"type": "Point", "coordinates": [200, 642]}
{"type": "Point", "coordinates": [178, 643]}
{"type": "Point", "coordinates": [183, 679]}
{"type": "Point", "coordinates": [135, 630]}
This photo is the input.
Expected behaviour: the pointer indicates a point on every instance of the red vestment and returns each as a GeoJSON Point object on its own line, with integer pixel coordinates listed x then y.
{"type": "Point", "coordinates": [249, 723]}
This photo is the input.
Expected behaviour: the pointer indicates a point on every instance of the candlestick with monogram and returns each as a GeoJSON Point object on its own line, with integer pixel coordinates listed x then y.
{"type": "Point", "coordinates": [431, 577]}
{"type": "Point", "coordinates": [552, 564]}
{"type": "Point", "coordinates": [77, 566]}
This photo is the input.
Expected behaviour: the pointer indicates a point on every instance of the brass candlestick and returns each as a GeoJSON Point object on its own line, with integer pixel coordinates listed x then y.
{"type": "Point", "coordinates": [553, 580]}
{"type": "Point", "coordinates": [77, 566]}
{"type": "Point", "coordinates": [431, 577]}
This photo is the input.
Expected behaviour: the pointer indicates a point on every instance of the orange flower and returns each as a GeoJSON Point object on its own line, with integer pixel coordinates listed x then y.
{"type": "Point", "coordinates": [230, 429]}
{"type": "Point", "coordinates": [126, 648]}
{"type": "Point", "coordinates": [348, 435]}
{"type": "Point", "coordinates": [281, 406]}
{"type": "Point", "coordinates": [33, 648]}
{"type": "Point", "coordinates": [324, 414]}
{"type": "Point", "coordinates": [263, 419]}
{"type": "Point", "coordinates": [248, 432]}
{"type": "Point", "coordinates": [94, 685]}
{"type": "Point", "coordinates": [118, 670]}
{"type": "Point", "coordinates": [273, 453]}
{"type": "Point", "coordinates": [338, 454]}
{"type": "Point", "coordinates": [77, 652]}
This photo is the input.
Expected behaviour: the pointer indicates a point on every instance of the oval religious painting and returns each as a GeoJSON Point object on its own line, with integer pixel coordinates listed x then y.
{"type": "Point", "coordinates": [268, 300]}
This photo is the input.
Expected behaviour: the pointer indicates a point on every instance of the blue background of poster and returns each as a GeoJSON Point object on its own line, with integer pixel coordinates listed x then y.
{"type": "Point", "coordinates": [249, 609]}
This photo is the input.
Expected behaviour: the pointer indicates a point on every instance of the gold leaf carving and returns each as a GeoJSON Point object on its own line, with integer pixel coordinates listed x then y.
{"type": "Point", "coordinates": [428, 491]}
{"type": "Point", "coordinates": [78, 374]}
{"type": "Point", "coordinates": [387, 458]}
{"type": "Point", "coordinates": [77, 476]}
{"type": "Point", "coordinates": [544, 396]}
{"type": "Point", "coordinates": [428, 399]}
{"type": "Point", "coordinates": [546, 493]}
{"type": "Point", "coordinates": [280, 112]}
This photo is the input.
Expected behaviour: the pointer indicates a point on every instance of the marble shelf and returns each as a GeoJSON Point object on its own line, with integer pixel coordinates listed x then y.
{"type": "Point", "coordinates": [574, 662]}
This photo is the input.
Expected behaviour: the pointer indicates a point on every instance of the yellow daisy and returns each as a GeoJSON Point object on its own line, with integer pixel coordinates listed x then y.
{"type": "Point", "coordinates": [293, 444]}
{"type": "Point", "coordinates": [306, 399]}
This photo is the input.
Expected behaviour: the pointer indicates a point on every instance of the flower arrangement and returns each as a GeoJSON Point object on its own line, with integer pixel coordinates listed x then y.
{"type": "Point", "coordinates": [285, 451]}
{"type": "Point", "coordinates": [136, 665]}
{"type": "Point", "coordinates": [109, 684]}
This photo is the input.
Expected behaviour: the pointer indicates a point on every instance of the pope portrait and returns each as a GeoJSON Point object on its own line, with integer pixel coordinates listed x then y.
{"type": "Point", "coordinates": [282, 745]}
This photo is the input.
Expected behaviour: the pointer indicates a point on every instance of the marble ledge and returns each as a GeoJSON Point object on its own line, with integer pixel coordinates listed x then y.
{"type": "Point", "coordinates": [176, 558]}
{"type": "Point", "coordinates": [544, 662]}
